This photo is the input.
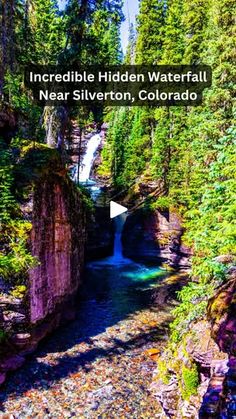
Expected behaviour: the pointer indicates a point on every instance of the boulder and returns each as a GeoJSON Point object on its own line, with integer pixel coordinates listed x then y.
{"type": "Point", "coordinates": [20, 339]}
{"type": "Point", "coordinates": [13, 317]}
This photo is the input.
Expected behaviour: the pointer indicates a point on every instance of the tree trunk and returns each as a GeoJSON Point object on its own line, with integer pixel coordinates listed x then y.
{"type": "Point", "coordinates": [7, 44]}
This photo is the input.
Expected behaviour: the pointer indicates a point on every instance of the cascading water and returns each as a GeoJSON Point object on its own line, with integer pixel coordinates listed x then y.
{"type": "Point", "coordinates": [117, 261]}
{"type": "Point", "coordinates": [117, 258]}
{"type": "Point", "coordinates": [119, 224]}
{"type": "Point", "coordinates": [86, 166]}
{"type": "Point", "coordinates": [82, 173]}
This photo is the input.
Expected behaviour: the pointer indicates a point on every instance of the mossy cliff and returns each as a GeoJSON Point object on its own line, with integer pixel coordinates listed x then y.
{"type": "Point", "coordinates": [56, 210]}
{"type": "Point", "coordinates": [57, 237]}
{"type": "Point", "coordinates": [57, 241]}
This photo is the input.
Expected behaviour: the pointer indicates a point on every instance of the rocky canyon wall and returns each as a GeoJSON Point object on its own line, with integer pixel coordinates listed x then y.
{"type": "Point", "coordinates": [57, 241]}
{"type": "Point", "coordinates": [100, 235]}
{"type": "Point", "coordinates": [156, 236]}
{"type": "Point", "coordinates": [57, 211]}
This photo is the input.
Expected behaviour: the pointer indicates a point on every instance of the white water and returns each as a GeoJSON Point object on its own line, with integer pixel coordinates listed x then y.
{"type": "Point", "coordinates": [82, 175]}
{"type": "Point", "coordinates": [84, 178]}
{"type": "Point", "coordinates": [117, 259]}
{"type": "Point", "coordinates": [119, 224]}
{"type": "Point", "coordinates": [87, 162]}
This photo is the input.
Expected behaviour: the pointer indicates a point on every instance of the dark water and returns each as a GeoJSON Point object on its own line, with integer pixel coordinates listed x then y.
{"type": "Point", "coordinates": [114, 291]}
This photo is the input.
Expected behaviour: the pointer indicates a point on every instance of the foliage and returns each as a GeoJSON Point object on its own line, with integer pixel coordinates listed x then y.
{"type": "Point", "coordinates": [7, 202]}
{"type": "Point", "coordinates": [86, 199]}
{"type": "Point", "coordinates": [19, 291]}
{"type": "Point", "coordinates": [150, 28]}
{"type": "Point", "coordinates": [189, 382]}
{"type": "Point", "coordinates": [21, 102]}
{"type": "Point", "coordinates": [193, 303]}
{"type": "Point", "coordinates": [163, 373]}
{"type": "Point", "coordinates": [162, 203]}
{"type": "Point", "coordinates": [93, 32]}
{"type": "Point", "coordinates": [15, 259]}
{"type": "Point", "coordinates": [43, 31]}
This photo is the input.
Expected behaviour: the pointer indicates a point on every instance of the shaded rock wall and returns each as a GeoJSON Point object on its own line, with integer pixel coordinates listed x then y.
{"type": "Point", "coordinates": [100, 241]}
{"type": "Point", "coordinates": [57, 240]}
{"type": "Point", "coordinates": [155, 237]}
{"type": "Point", "coordinates": [8, 122]}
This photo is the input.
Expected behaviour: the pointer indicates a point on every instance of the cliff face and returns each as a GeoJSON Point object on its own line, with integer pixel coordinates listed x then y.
{"type": "Point", "coordinates": [156, 237]}
{"type": "Point", "coordinates": [57, 212]}
{"type": "Point", "coordinates": [57, 241]}
{"type": "Point", "coordinates": [100, 235]}
{"type": "Point", "coordinates": [221, 313]}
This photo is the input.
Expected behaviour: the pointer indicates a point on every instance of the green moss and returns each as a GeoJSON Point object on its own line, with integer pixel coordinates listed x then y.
{"type": "Point", "coordinates": [163, 373]}
{"type": "Point", "coordinates": [35, 161]}
{"type": "Point", "coordinates": [86, 199]}
{"type": "Point", "coordinates": [189, 381]}
{"type": "Point", "coordinates": [19, 291]}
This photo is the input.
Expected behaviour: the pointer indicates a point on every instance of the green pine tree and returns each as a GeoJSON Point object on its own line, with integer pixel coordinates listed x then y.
{"type": "Point", "coordinates": [150, 27]}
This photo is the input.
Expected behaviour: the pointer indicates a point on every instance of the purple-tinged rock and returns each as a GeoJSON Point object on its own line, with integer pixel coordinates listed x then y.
{"type": "Point", "coordinates": [2, 378]}
{"type": "Point", "coordinates": [12, 363]}
{"type": "Point", "coordinates": [21, 339]}
{"type": "Point", "coordinates": [13, 317]}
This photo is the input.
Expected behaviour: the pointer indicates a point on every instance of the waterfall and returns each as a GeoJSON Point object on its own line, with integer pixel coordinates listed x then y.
{"type": "Point", "coordinates": [119, 224]}
{"type": "Point", "coordinates": [87, 161]}
{"type": "Point", "coordinates": [84, 178]}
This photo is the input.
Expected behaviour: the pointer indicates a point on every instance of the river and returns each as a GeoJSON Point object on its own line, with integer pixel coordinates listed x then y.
{"type": "Point", "coordinates": [99, 365]}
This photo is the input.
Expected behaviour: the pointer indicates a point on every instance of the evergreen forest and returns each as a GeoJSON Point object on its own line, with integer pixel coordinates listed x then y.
{"type": "Point", "coordinates": [163, 163]}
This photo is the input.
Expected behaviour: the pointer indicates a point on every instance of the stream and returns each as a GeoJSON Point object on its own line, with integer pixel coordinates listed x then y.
{"type": "Point", "coordinates": [98, 366]}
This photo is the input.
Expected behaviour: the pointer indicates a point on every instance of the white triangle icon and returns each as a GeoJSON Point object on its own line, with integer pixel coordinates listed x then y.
{"type": "Point", "coordinates": [116, 209]}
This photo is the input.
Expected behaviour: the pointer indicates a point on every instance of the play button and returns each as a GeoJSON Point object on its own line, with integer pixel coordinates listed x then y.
{"type": "Point", "coordinates": [116, 209]}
